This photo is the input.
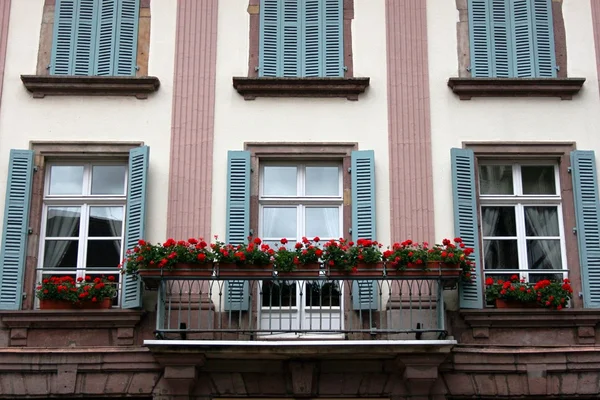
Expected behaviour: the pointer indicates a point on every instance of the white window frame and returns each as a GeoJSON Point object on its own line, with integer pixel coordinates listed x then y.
{"type": "Point", "coordinates": [300, 316]}
{"type": "Point", "coordinates": [519, 201]}
{"type": "Point", "coordinates": [84, 201]}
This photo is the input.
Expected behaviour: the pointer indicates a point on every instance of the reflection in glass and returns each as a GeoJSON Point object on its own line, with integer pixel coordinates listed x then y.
{"type": "Point", "coordinates": [279, 181]}
{"type": "Point", "coordinates": [500, 254]}
{"type": "Point", "coordinates": [534, 278]}
{"type": "Point", "coordinates": [323, 222]}
{"type": "Point", "coordinates": [541, 221]}
{"type": "Point", "coordinates": [103, 254]}
{"type": "Point", "coordinates": [108, 179]}
{"type": "Point", "coordinates": [538, 179]}
{"type": "Point", "coordinates": [278, 294]}
{"type": "Point", "coordinates": [279, 222]}
{"type": "Point", "coordinates": [61, 253]}
{"type": "Point", "coordinates": [544, 254]}
{"type": "Point", "coordinates": [63, 221]}
{"type": "Point", "coordinates": [66, 180]}
{"type": "Point", "coordinates": [499, 221]}
{"type": "Point", "coordinates": [322, 181]}
{"type": "Point", "coordinates": [495, 179]}
{"type": "Point", "coordinates": [106, 221]}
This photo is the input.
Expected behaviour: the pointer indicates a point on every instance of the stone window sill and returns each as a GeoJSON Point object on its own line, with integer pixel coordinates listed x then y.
{"type": "Point", "coordinates": [73, 319]}
{"type": "Point", "coordinates": [252, 88]}
{"type": "Point", "coordinates": [565, 88]}
{"type": "Point", "coordinates": [62, 85]}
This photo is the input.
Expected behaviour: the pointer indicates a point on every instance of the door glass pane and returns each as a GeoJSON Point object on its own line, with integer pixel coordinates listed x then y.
{"type": "Point", "coordinates": [279, 222]}
{"type": "Point", "coordinates": [108, 179]}
{"type": "Point", "coordinates": [279, 181]}
{"type": "Point", "coordinates": [278, 294]}
{"type": "Point", "coordinates": [323, 222]}
{"type": "Point", "coordinates": [495, 179]}
{"type": "Point", "coordinates": [63, 221]}
{"type": "Point", "coordinates": [60, 253]}
{"type": "Point", "coordinates": [321, 294]}
{"type": "Point", "coordinates": [500, 254]}
{"type": "Point", "coordinates": [541, 221]}
{"type": "Point", "coordinates": [105, 254]}
{"type": "Point", "coordinates": [544, 254]}
{"type": "Point", "coordinates": [538, 179]}
{"type": "Point", "coordinates": [322, 181]}
{"type": "Point", "coordinates": [66, 180]}
{"type": "Point", "coordinates": [498, 221]}
{"type": "Point", "coordinates": [106, 221]}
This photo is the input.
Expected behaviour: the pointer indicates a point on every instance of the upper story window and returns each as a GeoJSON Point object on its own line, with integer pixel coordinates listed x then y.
{"type": "Point", "coordinates": [512, 39]}
{"type": "Point", "coordinates": [95, 37]}
{"type": "Point", "coordinates": [301, 38]}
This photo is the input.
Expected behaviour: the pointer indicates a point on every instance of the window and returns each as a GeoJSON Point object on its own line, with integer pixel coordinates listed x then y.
{"type": "Point", "coordinates": [521, 220]}
{"type": "Point", "coordinates": [296, 200]}
{"type": "Point", "coordinates": [95, 37]}
{"type": "Point", "coordinates": [301, 38]}
{"type": "Point", "coordinates": [512, 38]}
{"type": "Point", "coordinates": [83, 219]}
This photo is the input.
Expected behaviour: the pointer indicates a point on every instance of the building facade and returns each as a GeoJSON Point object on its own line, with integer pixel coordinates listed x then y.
{"type": "Point", "coordinates": [389, 120]}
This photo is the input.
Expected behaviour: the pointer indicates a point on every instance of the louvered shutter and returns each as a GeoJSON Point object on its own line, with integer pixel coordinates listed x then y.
{"type": "Point", "coordinates": [312, 44]}
{"type": "Point", "coordinates": [334, 38]}
{"type": "Point", "coordinates": [15, 229]}
{"type": "Point", "coordinates": [522, 38]}
{"type": "Point", "coordinates": [85, 37]}
{"type": "Point", "coordinates": [480, 38]}
{"type": "Point", "coordinates": [135, 219]}
{"type": "Point", "coordinates": [543, 36]}
{"type": "Point", "coordinates": [502, 57]}
{"type": "Point", "coordinates": [465, 221]}
{"type": "Point", "coordinates": [365, 294]}
{"type": "Point", "coordinates": [236, 293]}
{"type": "Point", "coordinates": [63, 42]}
{"type": "Point", "coordinates": [270, 39]}
{"type": "Point", "coordinates": [291, 46]}
{"type": "Point", "coordinates": [585, 191]}
{"type": "Point", "coordinates": [105, 38]}
{"type": "Point", "coordinates": [126, 38]}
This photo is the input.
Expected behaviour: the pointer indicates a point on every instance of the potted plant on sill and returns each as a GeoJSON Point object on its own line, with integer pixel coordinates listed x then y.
{"type": "Point", "coordinates": [302, 260]}
{"type": "Point", "coordinates": [365, 257]}
{"type": "Point", "coordinates": [60, 293]}
{"type": "Point", "coordinates": [517, 293]}
{"type": "Point", "coordinates": [253, 259]}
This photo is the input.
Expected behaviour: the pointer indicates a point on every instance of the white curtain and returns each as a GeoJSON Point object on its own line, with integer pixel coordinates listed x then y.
{"type": "Point", "coordinates": [543, 253]}
{"type": "Point", "coordinates": [62, 222]}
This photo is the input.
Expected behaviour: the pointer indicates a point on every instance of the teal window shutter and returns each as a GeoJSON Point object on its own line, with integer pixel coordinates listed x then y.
{"type": "Point", "coordinates": [585, 191]}
{"type": "Point", "coordinates": [465, 221]}
{"type": "Point", "coordinates": [522, 38]}
{"type": "Point", "coordinates": [290, 48]}
{"type": "Point", "coordinates": [480, 38]}
{"type": "Point", "coordinates": [105, 48]}
{"type": "Point", "coordinates": [543, 39]}
{"type": "Point", "coordinates": [270, 42]}
{"type": "Point", "coordinates": [126, 38]}
{"type": "Point", "coordinates": [313, 47]}
{"type": "Point", "coordinates": [15, 229]}
{"type": "Point", "coordinates": [334, 38]}
{"type": "Point", "coordinates": [236, 293]}
{"type": "Point", "coordinates": [85, 37]}
{"type": "Point", "coordinates": [365, 293]}
{"type": "Point", "coordinates": [502, 57]}
{"type": "Point", "coordinates": [63, 43]}
{"type": "Point", "coordinates": [135, 218]}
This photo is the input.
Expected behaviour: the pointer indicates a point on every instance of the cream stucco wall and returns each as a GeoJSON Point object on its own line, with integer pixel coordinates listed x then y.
{"type": "Point", "coordinates": [505, 119]}
{"type": "Point", "coordinates": [105, 119]}
{"type": "Point", "coordinates": [302, 120]}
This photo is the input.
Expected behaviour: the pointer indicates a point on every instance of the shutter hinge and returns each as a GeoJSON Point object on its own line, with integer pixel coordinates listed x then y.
{"type": "Point", "coordinates": [557, 67]}
{"type": "Point", "coordinates": [349, 230]}
{"type": "Point", "coordinates": [349, 170]}
{"type": "Point", "coordinates": [137, 67]}
{"type": "Point", "coordinates": [29, 230]}
{"type": "Point", "coordinates": [49, 66]}
{"type": "Point", "coordinates": [256, 68]}
{"type": "Point", "coordinates": [575, 230]}
{"type": "Point", "coordinates": [345, 68]}
{"type": "Point", "coordinates": [251, 232]}
{"type": "Point", "coordinates": [24, 295]}
{"type": "Point", "coordinates": [469, 68]}
{"type": "Point", "coordinates": [36, 168]}
{"type": "Point", "coordinates": [569, 169]}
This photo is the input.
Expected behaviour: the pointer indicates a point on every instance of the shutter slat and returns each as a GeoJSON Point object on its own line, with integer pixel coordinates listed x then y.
{"type": "Point", "coordinates": [522, 38]}
{"type": "Point", "coordinates": [585, 191]}
{"type": "Point", "coordinates": [126, 37]}
{"type": "Point", "coordinates": [105, 38]}
{"type": "Point", "coordinates": [135, 218]}
{"type": "Point", "coordinates": [366, 293]}
{"type": "Point", "coordinates": [545, 56]}
{"type": "Point", "coordinates": [15, 229]}
{"type": "Point", "coordinates": [334, 38]}
{"type": "Point", "coordinates": [63, 42]}
{"type": "Point", "coordinates": [85, 40]}
{"type": "Point", "coordinates": [465, 221]}
{"type": "Point", "coordinates": [480, 38]}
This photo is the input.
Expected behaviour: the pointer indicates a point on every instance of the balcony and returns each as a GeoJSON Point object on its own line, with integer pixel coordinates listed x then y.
{"type": "Point", "coordinates": [281, 308]}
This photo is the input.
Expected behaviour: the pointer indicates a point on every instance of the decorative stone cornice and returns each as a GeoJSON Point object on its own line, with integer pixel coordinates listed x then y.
{"type": "Point", "coordinates": [62, 85]}
{"type": "Point", "coordinates": [565, 88]}
{"type": "Point", "coordinates": [252, 88]}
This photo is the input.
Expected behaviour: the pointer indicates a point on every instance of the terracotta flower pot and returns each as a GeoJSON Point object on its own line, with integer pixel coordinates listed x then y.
{"type": "Point", "coordinates": [226, 270]}
{"type": "Point", "coordinates": [303, 271]}
{"type": "Point", "coordinates": [501, 303]}
{"type": "Point", "coordinates": [152, 276]}
{"type": "Point", "coordinates": [432, 269]}
{"type": "Point", "coordinates": [52, 304]}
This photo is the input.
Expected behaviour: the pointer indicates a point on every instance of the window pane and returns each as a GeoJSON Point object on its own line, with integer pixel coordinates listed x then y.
{"type": "Point", "coordinates": [104, 254]}
{"type": "Point", "coordinates": [498, 221]}
{"type": "Point", "coordinates": [106, 221]}
{"type": "Point", "coordinates": [279, 181]}
{"type": "Point", "coordinates": [500, 254]}
{"type": "Point", "coordinates": [322, 181]}
{"type": "Point", "coordinates": [66, 179]}
{"type": "Point", "coordinates": [534, 278]}
{"type": "Point", "coordinates": [108, 179]}
{"type": "Point", "coordinates": [60, 254]}
{"type": "Point", "coordinates": [323, 222]}
{"type": "Point", "coordinates": [278, 294]}
{"type": "Point", "coordinates": [538, 179]}
{"type": "Point", "coordinates": [63, 222]}
{"type": "Point", "coordinates": [541, 221]}
{"type": "Point", "coordinates": [279, 222]}
{"type": "Point", "coordinates": [320, 294]}
{"type": "Point", "coordinates": [544, 254]}
{"type": "Point", "coordinates": [495, 179]}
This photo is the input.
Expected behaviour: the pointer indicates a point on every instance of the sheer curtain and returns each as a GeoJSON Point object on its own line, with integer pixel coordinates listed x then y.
{"type": "Point", "coordinates": [543, 221]}
{"type": "Point", "coordinates": [62, 222]}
